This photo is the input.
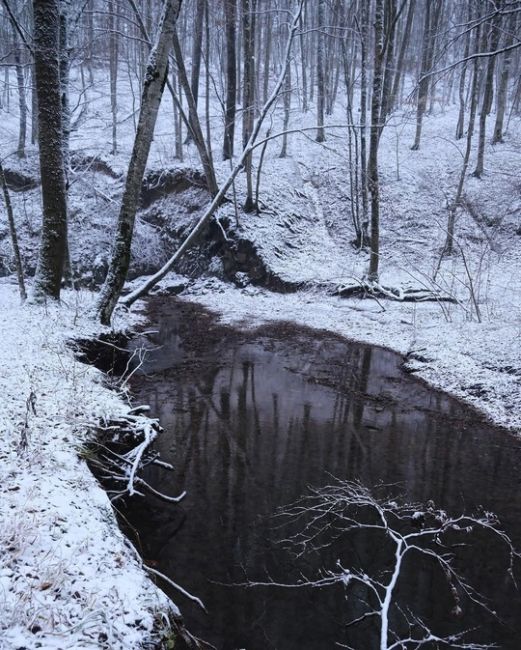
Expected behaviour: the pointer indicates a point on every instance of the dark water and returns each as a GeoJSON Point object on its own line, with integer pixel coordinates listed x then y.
{"type": "Point", "coordinates": [251, 420]}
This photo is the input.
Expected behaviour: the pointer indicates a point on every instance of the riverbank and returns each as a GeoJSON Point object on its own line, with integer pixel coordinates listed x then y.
{"type": "Point", "coordinates": [479, 363]}
{"type": "Point", "coordinates": [69, 579]}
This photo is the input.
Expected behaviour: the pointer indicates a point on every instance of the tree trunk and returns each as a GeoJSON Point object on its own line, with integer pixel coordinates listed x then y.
{"type": "Point", "coordinates": [248, 105]}
{"type": "Point", "coordinates": [153, 86]}
{"type": "Point", "coordinates": [267, 57]}
{"type": "Point", "coordinates": [401, 55]}
{"type": "Point", "coordinates": [321, 134]}
{"type": "Point", "coordinates": [423, 87]}
{"type": "Point", "coordinates": [197, 40]}
{"type": "Point", "coordinates": [303, 60]}
{"type": "Point", "coordinates": [503, 83]}
{"type": "Point", "coordinates": [64, 84]}
{"type": "Point", "coordinates": [448, 248]}
{"type": "Point", "coordinates": [14, 236]}
{"type": "Point", "coordinates": [22, 105]}
{"type": "Point", "coordinates": [390, 30]}
{"type": "Point", "coordinates": [51, 259]}
{"type": "Point", "coordinates": [364, 44]}
{"type": "Point", "coordinates": [230, 9]}
{"type": "Point", "coordinates": [287, 110]}
{"type": "Point", "coordinates": [488, 92]}
{"type": "Point", "coordinates": [372, 169]}
{"type": "Point", "coordinates": [194, 123]}
{"type": "Point", "coordinates": [113, 73]}
{"type": "Point", "coordinates": [461, 90]}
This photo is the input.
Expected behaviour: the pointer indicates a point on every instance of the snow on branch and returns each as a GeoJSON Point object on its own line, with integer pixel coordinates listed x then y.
{"type": "Point", "coordinates": [122, 469]}
{"type": "Point", "coordinates": [332, 513]}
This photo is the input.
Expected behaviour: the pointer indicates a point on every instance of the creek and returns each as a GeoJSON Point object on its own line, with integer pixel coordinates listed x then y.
{"type": "Point", "coordinates": [254, 417]}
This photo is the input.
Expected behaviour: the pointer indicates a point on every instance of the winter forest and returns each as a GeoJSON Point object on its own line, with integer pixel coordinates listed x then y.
{"type": "Point", "coordinates": [260, 316]}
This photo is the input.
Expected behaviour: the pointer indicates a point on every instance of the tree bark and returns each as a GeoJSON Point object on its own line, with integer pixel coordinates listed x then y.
{"type": "Point", "coordinates": [51, 259]}
{"type": "Point", "coordinates": [248, 104]}
{"type": "Point", "coordinates": [210, 211]}
{"type": "Point", "coordinates": [488, 92]}
{"type": "Point", "coordinates": [22, 105]}
{"type": "Point", "coordinates": [503, 83]}
{"type": "Point", "coordinates": [230, 12]}
{"type": "Point", "coordinates": [194, 123]}
{"type": "Point", "coordinates": [197, 40]}
{"type": "Point", "coordinates": [153, 86]}
{"type": "Point", "coordinates": [423, 87]}
{"type": "Point", "coordinates": [372, 169]}
{"type": "Point", "coordinates": [14, 236]}
{"type": "Point", "coordinates": [401, 55]}
{"type": "Point", "coordinates": [321, 134]}
{"type": "Point", "coordinates": [113, 73]}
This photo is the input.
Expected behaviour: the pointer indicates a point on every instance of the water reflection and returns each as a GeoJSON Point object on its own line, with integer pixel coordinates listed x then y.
{"type": "Point", "coordinates": [251, 420]}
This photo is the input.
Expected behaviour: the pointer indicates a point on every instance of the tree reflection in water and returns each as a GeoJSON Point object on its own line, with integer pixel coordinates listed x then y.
{"type": "Point", "coordinates": [254, 418]}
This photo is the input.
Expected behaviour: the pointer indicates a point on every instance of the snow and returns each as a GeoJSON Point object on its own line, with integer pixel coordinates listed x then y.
{"type": "Point", "coordinates": [66, 571]}
{"type": "Point", "coordinates": [68, 577]}
{"type": "Point", "coordinates": [469, 360]}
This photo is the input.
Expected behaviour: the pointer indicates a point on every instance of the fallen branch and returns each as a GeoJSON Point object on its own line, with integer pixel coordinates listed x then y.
{"type": "Point", "coordinates": [180, 589]}
{"type": "Point", "coordinates": [368, 289]}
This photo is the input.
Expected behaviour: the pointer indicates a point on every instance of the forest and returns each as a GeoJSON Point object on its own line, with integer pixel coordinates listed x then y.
{"type": "Point", "coordinates": [260, 317]}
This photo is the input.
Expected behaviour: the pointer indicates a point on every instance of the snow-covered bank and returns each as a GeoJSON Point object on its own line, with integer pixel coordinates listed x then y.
{"type": "Point", "coordinates": [68, 577]}
{"type": "Point", "coordinates": [478, 362]}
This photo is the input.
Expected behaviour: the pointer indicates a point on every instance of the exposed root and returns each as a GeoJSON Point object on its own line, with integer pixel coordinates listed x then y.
{"type": "Point", "coordinates": [121, 469]}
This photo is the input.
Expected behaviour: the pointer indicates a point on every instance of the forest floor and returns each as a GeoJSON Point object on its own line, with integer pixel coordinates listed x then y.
{"type": "Point", "coordinates": [68, 576]}
{"type": "Point", "coordinates": [68, 579]}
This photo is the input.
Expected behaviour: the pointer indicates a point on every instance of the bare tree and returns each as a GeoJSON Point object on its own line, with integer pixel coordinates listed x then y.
{"type": "Point", "coordinates": [22, 104]}
{"type": "Point", "coordinates": [197, 40]}
{"type": "Point", "coordinates": [432, 14]}
{"type": "Point", "coordinates": [150, 100]}
{"type": "Point", "coordinates": [321, 91]}
{"type": "Point", "coordinates": [216, 202]}
{"type": "Point", "coordinates": [488, 91]}
{"type": "Point", "coordinates": [230, 10]}
{"type": "Point", "coordinates": [448, 248]}
{"type": "Point", "coordinates": [401, 55]}
{"type": "Point", "coordinates": [248, 88]}
{"type": "Point", "coordinates": [502, 90]}
{"type": "Point", "coordinates": [462, 79]}
{"type": "Point", "coordinates": [345, 509]}
{"type": "Point", "coordinates": [13, 234]}
{"type": "Point", "coordinates": [113, 72]}
{"type": "Point", "coordinates": [193, 123]}
{"type": "Point", "coordinates": [372, 165]}
{"type": "Point", "coordinates": [53, 243]}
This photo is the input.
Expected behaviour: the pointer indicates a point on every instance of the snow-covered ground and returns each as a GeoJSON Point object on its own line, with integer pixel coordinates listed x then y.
{"type": "Point", "coordinates": [67, 577]}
